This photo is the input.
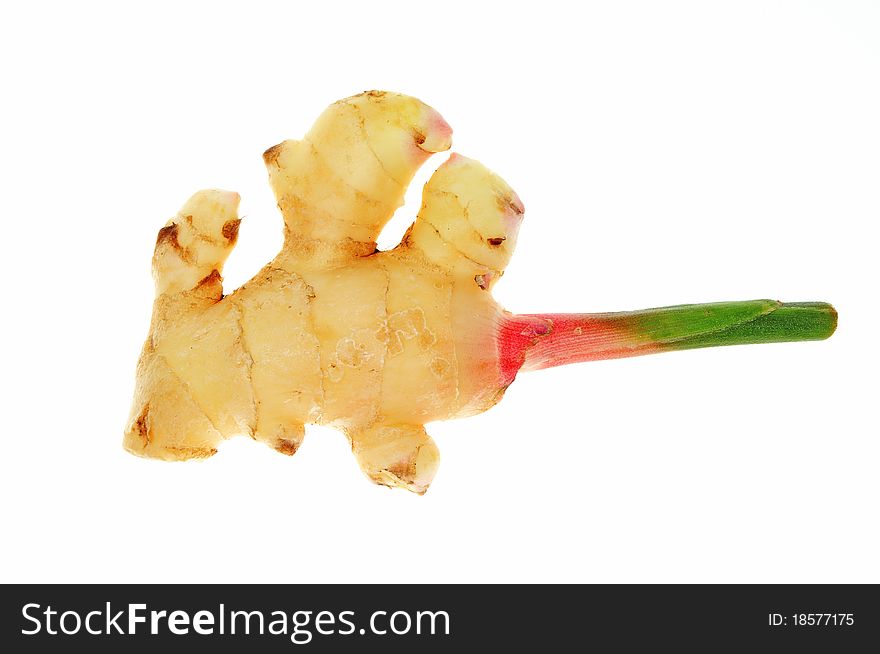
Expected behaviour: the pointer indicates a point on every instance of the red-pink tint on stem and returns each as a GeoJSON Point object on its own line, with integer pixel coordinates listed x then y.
{"type": "Point", "coordinates": [538, 341]}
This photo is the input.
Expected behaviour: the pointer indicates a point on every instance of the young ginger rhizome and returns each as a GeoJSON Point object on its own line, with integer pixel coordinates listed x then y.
{"type": "Point", "coordinates": [376, 344]}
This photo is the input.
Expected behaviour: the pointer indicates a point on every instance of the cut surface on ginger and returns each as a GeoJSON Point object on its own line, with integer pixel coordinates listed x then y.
{"type": "Point", "coordinates": [376, 344]}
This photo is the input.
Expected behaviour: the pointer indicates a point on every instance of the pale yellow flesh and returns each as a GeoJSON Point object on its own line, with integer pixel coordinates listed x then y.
{"type": "Point", "coordinates": [332, 332]}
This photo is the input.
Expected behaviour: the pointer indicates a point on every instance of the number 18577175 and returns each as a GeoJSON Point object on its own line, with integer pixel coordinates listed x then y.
{"type": "Point", "coordinates": [811, 620]}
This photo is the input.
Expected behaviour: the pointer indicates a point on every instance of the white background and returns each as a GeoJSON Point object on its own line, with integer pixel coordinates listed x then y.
{"type": "Point", "coordinates": [666, 153]}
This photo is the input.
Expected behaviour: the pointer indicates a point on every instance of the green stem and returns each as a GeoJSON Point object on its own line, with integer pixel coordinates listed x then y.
{"type": "Point", "coordinates": [558, 339]}
{"type": "Point", "coordinates": [793, 321]}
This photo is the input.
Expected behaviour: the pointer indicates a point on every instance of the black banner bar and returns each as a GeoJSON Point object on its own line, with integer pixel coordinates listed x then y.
{"type": "Point", "coordinates": [436, 618]}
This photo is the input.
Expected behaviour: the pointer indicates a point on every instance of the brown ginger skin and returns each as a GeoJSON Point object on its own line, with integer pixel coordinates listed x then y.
{"type": "Point", "coordinates": [332, 331]}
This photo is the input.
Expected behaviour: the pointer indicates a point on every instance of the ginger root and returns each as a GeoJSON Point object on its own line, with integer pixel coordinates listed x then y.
{"type": "Point", "coordinates": [376, 344]}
